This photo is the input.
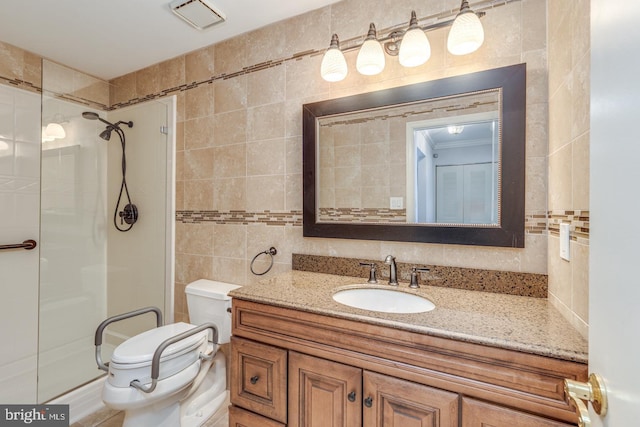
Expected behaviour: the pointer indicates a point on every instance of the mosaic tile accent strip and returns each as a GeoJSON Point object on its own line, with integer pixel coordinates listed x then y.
{"type": "Point", "coordinates": [578, 219]}
{"type": "Point", "coordinates": [369, 215]}
{"type": "Point", "coordinates": [240, 217]}
{"type": "Point", "coordinates": [22, 84]}
{"type": "Point", "coordinates": [535, 223]}
{"type": "Point", "coordinates": [502, 282]}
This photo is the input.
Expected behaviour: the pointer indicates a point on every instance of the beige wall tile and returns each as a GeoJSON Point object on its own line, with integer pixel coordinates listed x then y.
{"type": "Point", "coordinates": [230, 194]}
{"type": "Point", "coordinates": [260, 94]}
{"type": "Point", "coordinates": [231, 270]}
{"type": "Point", "coordinates": [198, 164]}
{"type": "Point", "coordinates": [11, 61]}
{"type": "Point", "coordinates": [560, 281]}
{"type": "Point", "coordinates": [198, 195]}
{"type": "Point", "coordinates": [580, 171]}
{"type": "Point", "coordinates": [172, 73]}
{"type": "Point", "coordinates": [193, 267]}
{"type": "Point", "coordinates": [123, 88]}
{"type": "Point", "coordinates": [200, 65]}
{"type": "Point", "coordinates": [230, 241]}
{"type": "Point", "coordinates": [199, 133]}
{"type": "Point", "coordinates": [231, 55]}
{"type": "Point", "coordinates": [266, 157]}
{"type": "Point", "coordinates": [230, 127]}
{"type": "Point", "coordinates": [265, 193]}
{"type": "Point", "coordinates": [148, 80]}
{"type": "Point", "coordinates": [580, 277]}
{"type": "Point", "coordinates": [230, 94]}
{"type": "Point", "coordinates": [195, 239]}
{"type": "Point", "coordinates": [536, 184]}
{"type": "Point", "coordinates": [560, 174]}
{"type": "Point", "coordinates": [230, 161]}
{"type": "Point", "coordinates": [199, 102]}
{"type": "Point", "coordinates": [265, 122]}
{"type": "Point", "coordinates": [293, 192]}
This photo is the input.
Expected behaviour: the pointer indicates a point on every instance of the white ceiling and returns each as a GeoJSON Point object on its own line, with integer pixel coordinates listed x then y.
{"type": "Point", "coordinates": [110, 38]}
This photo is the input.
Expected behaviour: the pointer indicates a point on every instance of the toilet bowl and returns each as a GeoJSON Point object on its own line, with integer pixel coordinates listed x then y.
{"type": "Point", "coordinates": [190, 385]}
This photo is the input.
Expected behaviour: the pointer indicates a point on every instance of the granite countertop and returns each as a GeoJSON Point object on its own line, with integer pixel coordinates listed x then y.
{"type": "Point", "coordinates": [530, 325]}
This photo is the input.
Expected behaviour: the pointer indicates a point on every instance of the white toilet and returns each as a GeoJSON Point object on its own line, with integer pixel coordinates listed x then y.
{"type": "Point", "coordinates": [189, 389]}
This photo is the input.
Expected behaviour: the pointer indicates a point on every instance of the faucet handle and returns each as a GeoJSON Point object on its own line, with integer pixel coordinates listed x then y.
{"type": "Point", "coordinates": [414, 276]}
{"type": "Point", "coordinates": [372, 271]}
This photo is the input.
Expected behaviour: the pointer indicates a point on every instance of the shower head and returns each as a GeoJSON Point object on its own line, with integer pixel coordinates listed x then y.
{"type": "Point", "coordinates": [106, 134]}
{"type": "Point", "coordinates": [90, 115]}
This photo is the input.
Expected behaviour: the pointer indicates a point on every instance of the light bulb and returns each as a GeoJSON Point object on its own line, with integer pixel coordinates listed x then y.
{"type": "Point", "coordinates": [415, 48]}
{"type": "Point", "coordinates": [55, 131]}
{"type": "Point", "coordinates": [370, 59]}
{"type": "Point", "coordinates": [466, 34]}
{"type": "Point", "coordinates": [334, 66]}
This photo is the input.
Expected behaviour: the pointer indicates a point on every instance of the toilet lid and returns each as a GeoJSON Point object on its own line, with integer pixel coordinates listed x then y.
{"type": "Point", "coordinates": [140, 349]}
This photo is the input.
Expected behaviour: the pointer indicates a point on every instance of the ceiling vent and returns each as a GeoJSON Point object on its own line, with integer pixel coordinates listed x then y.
{"type": "Point", "coordinates": [199, 13]}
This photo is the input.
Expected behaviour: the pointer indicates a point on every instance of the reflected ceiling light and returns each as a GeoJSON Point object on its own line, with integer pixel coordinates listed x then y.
{"type": "Point", "coordinates": [455, 130]}
{"type": "Point", "coordinates": [55, 130]}
{"type": "Point", "coordinates": [3, 146]}
{"type": "Point", "coordinates": [466, 34]}
{"type": "Point", "coordinates": [334, 66]}
{"type": "Point", "coordinates": [371, 56]}
{"type": "Point", "coordinates": [415, 48]}
{"type": "Point", "coordinates": [45, 137]}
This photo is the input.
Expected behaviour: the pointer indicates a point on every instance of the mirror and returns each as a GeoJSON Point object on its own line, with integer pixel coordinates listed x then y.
{"type": "Point", "coordinates": [440, 162]}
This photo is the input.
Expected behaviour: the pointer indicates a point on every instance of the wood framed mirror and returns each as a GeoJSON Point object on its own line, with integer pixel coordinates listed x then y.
{"type": "Point", "coordinates": [436, 162]}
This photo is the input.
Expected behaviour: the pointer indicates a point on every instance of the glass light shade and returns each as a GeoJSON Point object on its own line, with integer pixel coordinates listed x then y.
{"type": "Point", "coordinates": [55, 130]}
{"type": "Point", "coordinates": [414, 49]}
{"type": "Point", "coordinates": [334, 66]}
{"type": "Point", "coordinates": [370, 59]}
{"type": "Point", "coordinates": [466, 34]}
{"type": "Point", "coordinates": [45, 137]}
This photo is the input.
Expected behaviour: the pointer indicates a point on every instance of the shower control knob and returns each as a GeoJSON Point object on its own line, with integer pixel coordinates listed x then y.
{"type": "Point", "coordinates": [129, 214]}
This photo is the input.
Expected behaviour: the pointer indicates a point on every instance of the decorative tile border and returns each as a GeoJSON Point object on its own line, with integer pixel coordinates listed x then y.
{"type": "Point", "coordinates": [534, 223]}
{"type": "Point", "coordinates": [503, 282]}
{"type": "Point", "coordinates": [240, 217]}
{"type": "Point", "coordinates": [22, 84]}
{"type": "Point", "coordinates": [358, 215]}
{"type": "Point", "coordinates": [578, 219]}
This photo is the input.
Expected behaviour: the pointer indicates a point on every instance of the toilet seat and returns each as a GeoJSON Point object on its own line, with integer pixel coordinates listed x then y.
{"type": "Point", "coordinates": [131, 360]}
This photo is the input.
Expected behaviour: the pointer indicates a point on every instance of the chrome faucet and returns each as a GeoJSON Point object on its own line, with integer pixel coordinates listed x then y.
{"type": "Point", "coordinates": [393, 270]}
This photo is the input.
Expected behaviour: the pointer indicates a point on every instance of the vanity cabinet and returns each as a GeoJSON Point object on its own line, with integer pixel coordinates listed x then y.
{"type": "Point", "coordinates": [323, 392]}
{"type": "Point", "coordinates": [319, 370]}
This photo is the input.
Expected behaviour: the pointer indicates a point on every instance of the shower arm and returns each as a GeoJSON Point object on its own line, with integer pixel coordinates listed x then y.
{"type": "Point", "coordinates": [100, 331]}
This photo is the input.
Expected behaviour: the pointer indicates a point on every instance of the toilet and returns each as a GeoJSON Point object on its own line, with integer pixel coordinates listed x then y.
{"type": "Point", "coordinates": [189, 389]}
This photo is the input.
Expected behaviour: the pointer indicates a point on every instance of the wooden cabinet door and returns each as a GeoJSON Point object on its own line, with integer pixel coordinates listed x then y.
{"type": "Point", "coordinates": [323, 393]}
{"type": "Point", "coordinates": [481, 414]}
{"type": "Point", "coordinates": [238, 417]}
{"type": "Point", "coordinates": [259, 378]}
{"type": "Point", "coordinates": [391, 402]}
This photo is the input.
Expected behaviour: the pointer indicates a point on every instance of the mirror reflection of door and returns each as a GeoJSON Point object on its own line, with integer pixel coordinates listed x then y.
{"type": "Point", "coordinates": [456, 170]}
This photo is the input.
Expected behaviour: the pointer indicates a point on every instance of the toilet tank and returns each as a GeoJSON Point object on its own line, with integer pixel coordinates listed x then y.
{"type": "Point", "coordinates": [208, 301]}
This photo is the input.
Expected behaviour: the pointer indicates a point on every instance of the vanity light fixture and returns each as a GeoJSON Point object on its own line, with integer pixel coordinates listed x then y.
{"type": "Point", "coordinates": [415, 48]}
{"type": "Point", "coordinates": [370, 57]}
{"type": "Point", "coordinates": [334, 66]}
{"type": "Point", "coordinates": [466, 34]}
{"type": "Point", "coordinates": [412, 46]}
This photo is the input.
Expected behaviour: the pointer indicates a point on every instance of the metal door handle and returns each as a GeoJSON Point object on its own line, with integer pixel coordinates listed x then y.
{"type": "Point", "coordinates": [592, 391]}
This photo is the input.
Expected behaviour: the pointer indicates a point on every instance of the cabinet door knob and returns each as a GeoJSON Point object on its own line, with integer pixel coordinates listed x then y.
{"type": "Point", "coordinates": [368, 402]}
{"type": "Point", "coordinates": [254, 379]}
{"type": "Point", "coordinates": [352, 396]}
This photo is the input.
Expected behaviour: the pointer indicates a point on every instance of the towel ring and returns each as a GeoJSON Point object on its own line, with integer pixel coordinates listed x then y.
{"type": "Point", "coordinates": [271, 252]}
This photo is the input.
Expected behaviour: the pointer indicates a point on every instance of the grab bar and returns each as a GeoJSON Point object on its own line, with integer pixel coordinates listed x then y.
{"type": "Point", "coordinates": [27, 244]}
{"type": "Point", "coordinates": [104, 324]}
{"type": "Point", "coordinates": [155, 362]}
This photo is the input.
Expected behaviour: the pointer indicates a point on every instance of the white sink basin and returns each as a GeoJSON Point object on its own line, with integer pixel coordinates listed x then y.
{"type": "Point", "coordinates": [383, 300]}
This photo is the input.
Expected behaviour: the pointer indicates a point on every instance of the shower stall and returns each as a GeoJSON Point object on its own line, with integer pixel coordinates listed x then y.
{"type": "Point", "coordinates": [84, 269]}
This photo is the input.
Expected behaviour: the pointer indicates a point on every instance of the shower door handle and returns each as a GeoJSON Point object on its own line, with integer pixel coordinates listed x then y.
{"type": "Point", "coordinates": [27, 244]}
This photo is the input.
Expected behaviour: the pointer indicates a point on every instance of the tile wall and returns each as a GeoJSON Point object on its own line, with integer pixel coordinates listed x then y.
{"type": "Point", "coordinates": [569, 107]}
{"type": "Point", "coordinates": [239, 136]}
{"type": "Point", "coordinates": [240, 125]}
